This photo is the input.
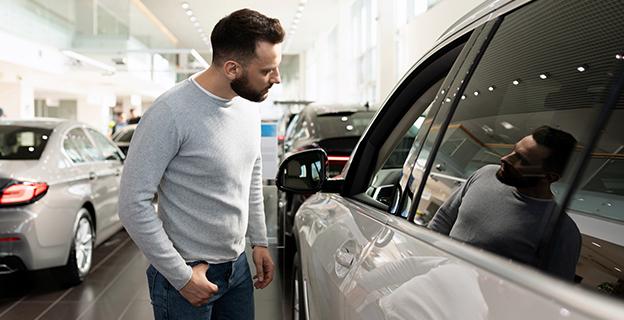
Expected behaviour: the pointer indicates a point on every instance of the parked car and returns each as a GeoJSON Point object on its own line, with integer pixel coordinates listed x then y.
{"type": "Point", "coordinates": [363, 247]}
{"type": "Point", "coordinates": [59, 184]}
{"type": "Point", "coordinates": [334, 128]}
{"type": "Point", "coordinates": [123, 136]}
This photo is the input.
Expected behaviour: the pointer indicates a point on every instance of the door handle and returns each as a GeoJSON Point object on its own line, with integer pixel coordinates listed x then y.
{"type": "Point", "coordinates": [92, 176]}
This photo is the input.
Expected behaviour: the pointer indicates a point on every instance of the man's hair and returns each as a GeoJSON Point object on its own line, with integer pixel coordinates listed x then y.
{"type": "Point", "coordinates": [236, 35]}
{"type": "Point", "coordinates": [560, 143]}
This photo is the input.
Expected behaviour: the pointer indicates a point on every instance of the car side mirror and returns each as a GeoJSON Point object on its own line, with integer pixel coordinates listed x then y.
{"type": "Point", "coordinates": [303, 172]}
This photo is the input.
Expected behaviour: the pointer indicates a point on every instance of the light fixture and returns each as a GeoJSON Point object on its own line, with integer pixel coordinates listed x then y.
{"type": "Point", "coordinates": [516, 82]}
{"type": "Point", "coordinates": [544, 76]}
{"type": "Point", "coordinates": [476, 93]}
{"type": "Point", "coordinates": [189, 12]}
{"type": "Point", "coordinates": [463, 97]}
{"type": "Point", "coordinates": [447, 99]}
{"type": "Point", "coordinates": [491, 88]}
{"type": "Point", "coordinates": [196, 23]}
{"type": "Point", "coordinates": [597, 245]}
{"type": "Point", "coordinates": [298, 15]}
{"type": "Point", "coordinates": [507, 125]}
{"type": "Point", "coordinates": [581, 68]}
{"type": "Point", "coordinates": [617, 269]}
{"type": "Point", "coordinates": [185, 5]}
{"type": "Point", "coordinates": [193, 18]}
{"type": "Point", "coordinates": [619, 56]}
{"type": "Point", "coordinates": [89, 61]}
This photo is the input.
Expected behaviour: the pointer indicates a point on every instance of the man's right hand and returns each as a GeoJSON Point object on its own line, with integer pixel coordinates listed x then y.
{"type": "Point", "coordinates": [199, 290]}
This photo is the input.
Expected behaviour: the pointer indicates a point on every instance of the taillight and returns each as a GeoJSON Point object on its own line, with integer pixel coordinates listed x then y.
{"type": "Point", "coordinates": [23, 193]}
{"type": "Point", "coordinates": [280, 138]}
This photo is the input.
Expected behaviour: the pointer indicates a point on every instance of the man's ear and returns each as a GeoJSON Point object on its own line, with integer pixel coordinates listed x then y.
{"type": "Point", "coordinates": [232, 69]}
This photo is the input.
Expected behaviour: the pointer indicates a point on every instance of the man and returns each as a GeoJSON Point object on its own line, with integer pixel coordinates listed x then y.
{"type": "Point", "coordinates": [134, 117]}
{"type": "Point", "coordinates": [119, 122]}
{"type": "Point", "coordinates": [509, 209]}
{"type": "Point", "coordinates": [198, 146]}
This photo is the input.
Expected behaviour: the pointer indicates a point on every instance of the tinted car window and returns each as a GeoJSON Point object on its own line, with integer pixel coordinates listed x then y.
{"type": "Point", "coordinates": [545, 66]}
{"type": "Point", "coordinates": [125, 135]}
{"type": "Point", "coordinates": [108, 150]}
{"type": "Point", "coordinates": [22, 143]}
{"type": "Point", "coordinates": [342, 124]}
{"type": "Point", "coordinates": [79, 148]}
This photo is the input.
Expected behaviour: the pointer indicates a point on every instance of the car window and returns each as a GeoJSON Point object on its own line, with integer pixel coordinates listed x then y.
{"type": "Point", "coordinates": [125, 135]}
{"type": "Point", "coordinates": [342, 124]}
{"type": "Point", "coordinates": [596, 206]}
{"type": "Point", "coordinates": [22, 143]}
{"type": "Point", "coordinates": [398, 165]}
{"type": "Point", "coordinates": [108, 150]}
{"type": "Point", "coordinates": [503, 165]}
{"type": "Point", "coordinates": [78, 147]}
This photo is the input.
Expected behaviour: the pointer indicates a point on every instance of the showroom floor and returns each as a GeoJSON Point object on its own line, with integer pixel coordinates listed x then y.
{"type": "Point", "coordinates": [116, 287]}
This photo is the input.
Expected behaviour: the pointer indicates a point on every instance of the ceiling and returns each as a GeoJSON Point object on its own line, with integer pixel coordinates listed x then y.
{"type": "Point", "coordinates": [209, 12]}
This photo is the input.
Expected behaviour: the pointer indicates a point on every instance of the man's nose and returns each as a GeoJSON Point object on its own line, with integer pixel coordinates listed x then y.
{"type": "Point", "coordinates": [276, 77]}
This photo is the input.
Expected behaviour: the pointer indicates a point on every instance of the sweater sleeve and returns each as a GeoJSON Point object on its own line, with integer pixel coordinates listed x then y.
{"type": "Point", "coordinates": [256, 228]}
{"type": "Point", "coordinates": [154, 144]}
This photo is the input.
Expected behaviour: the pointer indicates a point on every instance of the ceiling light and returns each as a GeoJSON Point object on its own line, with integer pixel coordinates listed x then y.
{"type": "Point", "coordinates": [447, 99]}
{"type": "Point", "coordinates": [516, 82]}
{"type": "Point", "coordinates": [619, 56]}
{"type": "Point", "coordinates": [507, 125]}
{"type": "Point", "coordinates": [193, 19]}
{"type": "Point", "coordinates": [185, 5]}
{"type": "Point", "coordinates": [491, 88]}
{"type": "Point", "coordinates": [189, 12]}
{"type": "Point", "coordinates": [196, 23]}
{"type": "Point", "coordinates": [303, 1]}
{"type": "Point", "coordinates": [617, 269]}
{"type": "Point", "coordinates": [298, 15]}
{"type": "Point", "coordinates": [476, 93]}
{"type": "Point", "coordinates": [200, 30]}
{"type": "Point", "coordinates": [463, 97]}
{"type": "Point", "coordinates": [597, 245]}
{"type": "Point", "coordinates": [301, 7]}
{"type": "Point", "coordinates": [582, 68]}
{"type": "Point", "coordinates": [544, 76]}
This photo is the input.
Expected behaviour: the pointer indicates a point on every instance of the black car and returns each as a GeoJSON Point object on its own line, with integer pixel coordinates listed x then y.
{"type": "Point", "coordinates": [123, 136]}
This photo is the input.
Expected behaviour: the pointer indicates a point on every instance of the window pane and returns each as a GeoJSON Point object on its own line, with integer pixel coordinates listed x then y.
{"type": "Point", "coordinates": [499, 171]}
{"type": "Point", "coordinates": [22, 143]}
{"type": "Point", "coordinates": [105, 146]}
{"type": "Point", "coordinates": [83, 145]}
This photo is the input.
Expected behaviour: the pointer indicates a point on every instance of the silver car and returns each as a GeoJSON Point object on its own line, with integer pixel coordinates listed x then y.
{"type": "Point", "coordinates": [59, 184]}
{"type": "Point", "coordinates": [365, 248]}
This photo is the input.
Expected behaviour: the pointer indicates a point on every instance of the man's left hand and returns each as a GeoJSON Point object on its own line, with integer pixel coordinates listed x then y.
{"type": "Point", "coordinates": [264, 267]}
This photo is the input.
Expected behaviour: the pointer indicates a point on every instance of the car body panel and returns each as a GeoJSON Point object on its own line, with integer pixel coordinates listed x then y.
{"type": "Point", "coordinates": [46, 227]}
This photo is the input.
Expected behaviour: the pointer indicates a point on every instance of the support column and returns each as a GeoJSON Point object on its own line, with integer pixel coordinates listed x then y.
{"type": "Point", "coordinates": [17, 100]}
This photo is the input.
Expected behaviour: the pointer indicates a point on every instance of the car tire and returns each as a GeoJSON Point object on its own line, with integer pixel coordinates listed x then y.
{"type": "Point", "coordinates": [80, 252]}
{"type": "Point", "coordinates": [298, 303]}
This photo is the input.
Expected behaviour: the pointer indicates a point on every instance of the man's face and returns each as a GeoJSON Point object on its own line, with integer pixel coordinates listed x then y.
{"type": "Point", "coordinates": [260, 73]}
{"type": "Point", "coordinates": [523, 167]}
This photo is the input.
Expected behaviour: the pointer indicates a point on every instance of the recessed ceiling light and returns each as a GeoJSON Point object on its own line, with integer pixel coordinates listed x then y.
{"type": "Point", "coordinates": [189, 12]}
{"type": "Point", "coordinates": [543, 76]}
{"type": "Point", "coordinates": [476, 93]}
{"type": "Point", "coordinates": [196, 23]}
{"type": "Point", "coordinates": [193, 18]}
{"type": "Point", "coordinates": [597, 245]}
{"type": "Point", "coordinates": [185, 5]}
{"type": "Point", "coordinates": [303, 1]}
{"type": "Point", "coordinates": [491, 88]}
{"type": "Point", "coordinates": [298, 15]}
{"type": "Point", "coordinates": [516, 82]}
{"type": "Point", "coordinates": [581, 68]}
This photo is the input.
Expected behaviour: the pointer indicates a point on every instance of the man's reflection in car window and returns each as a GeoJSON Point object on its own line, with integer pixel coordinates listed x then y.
{"type": "Point", "coordinates": [507, 208]}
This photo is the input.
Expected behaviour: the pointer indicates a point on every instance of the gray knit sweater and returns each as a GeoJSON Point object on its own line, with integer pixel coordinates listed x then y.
{"type": "Point", "coordinates": [202, 155]}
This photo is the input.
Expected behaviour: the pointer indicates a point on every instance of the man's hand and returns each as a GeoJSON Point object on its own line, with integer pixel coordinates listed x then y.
{"type": "Point", "coordinates": [264, 267]}
{"type": "Point", "coordinates": [199, 290]}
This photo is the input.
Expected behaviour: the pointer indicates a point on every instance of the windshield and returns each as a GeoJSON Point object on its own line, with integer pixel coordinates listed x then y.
{"type": "Point", "coordinates": [22, 143]}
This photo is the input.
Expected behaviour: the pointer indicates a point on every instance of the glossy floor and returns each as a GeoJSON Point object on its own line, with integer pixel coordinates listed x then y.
{"type": "Point", "coordinates": [116, 288]}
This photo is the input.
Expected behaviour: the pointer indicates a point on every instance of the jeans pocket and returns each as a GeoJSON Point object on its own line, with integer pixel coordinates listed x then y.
{"type": "Point", "coordinates": [157, 286]}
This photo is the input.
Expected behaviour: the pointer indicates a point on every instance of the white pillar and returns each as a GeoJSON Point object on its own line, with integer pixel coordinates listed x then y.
{"type": "Point", "coordinates": [17, 100]}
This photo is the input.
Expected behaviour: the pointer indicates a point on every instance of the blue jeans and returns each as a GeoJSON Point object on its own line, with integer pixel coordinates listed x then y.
{"type": "Point", "coordinates": [234, 300]}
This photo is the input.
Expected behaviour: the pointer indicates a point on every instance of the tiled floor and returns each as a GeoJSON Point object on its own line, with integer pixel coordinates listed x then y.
{"type": "Point", "coordinates": [116, 288]}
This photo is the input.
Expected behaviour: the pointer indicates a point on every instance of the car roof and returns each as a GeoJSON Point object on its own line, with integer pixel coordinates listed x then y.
{"type": "Point", "coordinates": [45, 123]}
{"type": "Point", "coordinates": [326, 109]}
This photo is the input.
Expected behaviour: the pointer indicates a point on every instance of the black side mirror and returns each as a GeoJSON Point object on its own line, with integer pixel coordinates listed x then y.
{"type": "Point", "coordinates": [303, 172]}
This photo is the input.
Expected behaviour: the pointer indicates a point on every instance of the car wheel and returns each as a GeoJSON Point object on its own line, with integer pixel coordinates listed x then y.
{"type": "Point", "coordinates": [298, 304]}
{"type": "Point", "coordinates": [81, 251]}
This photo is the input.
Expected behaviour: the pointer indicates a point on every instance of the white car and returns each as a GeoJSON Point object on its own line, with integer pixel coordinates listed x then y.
{"type": "Point", "coordinates": [363, 247]}
{"type": "Point", "coordinates": [59, 185]}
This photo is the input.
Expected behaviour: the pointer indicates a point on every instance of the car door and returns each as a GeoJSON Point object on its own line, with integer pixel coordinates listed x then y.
{"type": "Point", "coordinates": [334, 232]}
{"type": "Point", "coordinates": [108, 169]}
{"type": "Point", "coordinates": [514, 83]}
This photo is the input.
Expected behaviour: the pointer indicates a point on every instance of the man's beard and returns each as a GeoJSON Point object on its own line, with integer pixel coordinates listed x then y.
{"type": "Point", "coordinates": [243, 89]}
{"type": "Point", "coordinates": [511, 177]}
